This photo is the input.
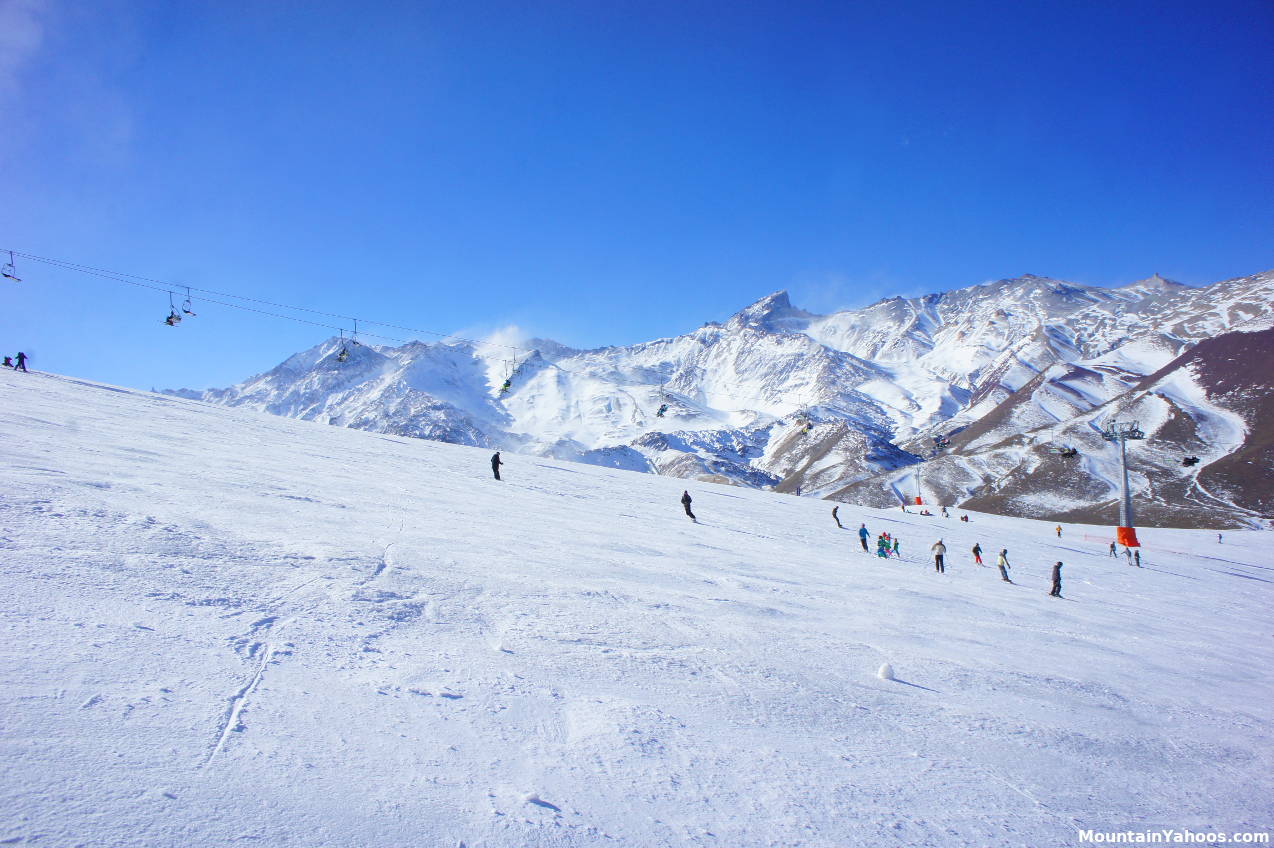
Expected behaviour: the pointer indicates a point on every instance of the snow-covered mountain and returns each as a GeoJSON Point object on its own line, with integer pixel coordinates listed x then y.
{"type": "Point", "coordinates": [845, 405]}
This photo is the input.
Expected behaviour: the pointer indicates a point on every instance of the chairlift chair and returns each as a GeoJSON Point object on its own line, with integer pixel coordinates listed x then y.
{"type": "Point", "coordinates": [174, 317]}
{"type": "Point", "coordinates": [10, 271]}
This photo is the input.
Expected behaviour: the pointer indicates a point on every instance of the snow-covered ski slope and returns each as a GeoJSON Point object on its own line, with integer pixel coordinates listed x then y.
{"type": "Point", "coordinates": [224, 626]}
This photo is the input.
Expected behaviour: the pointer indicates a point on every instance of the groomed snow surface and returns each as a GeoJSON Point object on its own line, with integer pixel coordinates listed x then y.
{"type": "Point", "coordinates": [224, 627]}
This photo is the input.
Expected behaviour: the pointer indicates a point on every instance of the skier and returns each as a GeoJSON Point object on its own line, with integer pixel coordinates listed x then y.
{"type": "Point", "coordinates": [496, 462]}
{"type": "Point", "coordinates": [837, 518]}
{"type": "Point", "coordinates": [882, 547]}
{"type": "Point", "coordinates": [1112, 549]}
{"type": "Point", "coordinates": [896, 548]}
{"type": "Point", "coordinates": [8, 362]}
{"type": "Point", "coordinates": [1136, 555]}
{"type": "Point", "coordinates": [977, 552]}
{"type": "Point", "coordinates": [1003, 562]}
{"type": "Point", "coordinates": [944, 513]}
{"type": "Point", "coordinates": [862, 535]}
{"type": "Point", "coordinates": [1057, 581]}
{"type": "Point", "coordinates": [685, 502]}
{"type": "Point", "coordinates": [939, 551]}
{"type": "Point", "coordinates": [1059, 531]}
{"type": "Point", "coordinates": [1218, 538]}
{"type": "Point", "coordinates": [22, 363]}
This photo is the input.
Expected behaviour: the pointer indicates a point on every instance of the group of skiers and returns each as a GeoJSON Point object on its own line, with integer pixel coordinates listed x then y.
{"type": "Point", "coordinates": [20, 365]}
{"type": "Point", "coordinates": [1133, 557]}
{"type": "Point", "coordinates": [886, 544]}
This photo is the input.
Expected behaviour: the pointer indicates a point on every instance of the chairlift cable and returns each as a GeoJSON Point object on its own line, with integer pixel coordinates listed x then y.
{"type": "Point", "coordinates": [163, 285]}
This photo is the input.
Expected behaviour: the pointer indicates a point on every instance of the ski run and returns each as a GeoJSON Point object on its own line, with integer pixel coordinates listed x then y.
{"type": "Point", "coordinates": [224, 627]}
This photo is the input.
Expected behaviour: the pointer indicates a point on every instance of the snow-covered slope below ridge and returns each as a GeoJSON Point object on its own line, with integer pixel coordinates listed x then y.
{"type": "Point", "coordinates": [226, 627]}
{"type": "Point", "coordinates": [777, 396]}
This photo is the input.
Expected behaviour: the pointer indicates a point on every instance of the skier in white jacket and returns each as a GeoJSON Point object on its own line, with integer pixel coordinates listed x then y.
{"type": "Point", "coordinates": [939, 551]}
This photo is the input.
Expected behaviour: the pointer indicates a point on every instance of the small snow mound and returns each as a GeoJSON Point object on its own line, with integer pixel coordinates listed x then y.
{"type": "Point", "coordinates": [886, 672]}
{"type": "Point", "coordinates": [540, 802]}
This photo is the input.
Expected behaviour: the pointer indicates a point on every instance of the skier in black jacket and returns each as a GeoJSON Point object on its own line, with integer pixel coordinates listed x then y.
{"type": "Point", "coordinates": [1057, 581]}
{"type": "Point", "coordinates": [496, 462]}
{"type": "Point", "coordinates": [22, 362]}
{"type": "Point", "coordinates": [685, 502]}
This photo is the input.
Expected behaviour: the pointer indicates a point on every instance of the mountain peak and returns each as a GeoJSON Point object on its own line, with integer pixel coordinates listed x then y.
{"type": "Point", "coordinates": [1155, 281]}
{"type": "Point", "coordinates": [770, 303]}
{"type": "Point", "coordinates": [774, 313]}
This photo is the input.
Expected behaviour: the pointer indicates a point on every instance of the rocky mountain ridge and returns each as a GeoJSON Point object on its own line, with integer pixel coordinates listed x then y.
{"type": "Point", "coordinates": [961, 397]}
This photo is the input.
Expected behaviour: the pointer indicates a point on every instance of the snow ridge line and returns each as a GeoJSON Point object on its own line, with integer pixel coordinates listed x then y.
{"type": "Point", "coordinates": [237, 701]}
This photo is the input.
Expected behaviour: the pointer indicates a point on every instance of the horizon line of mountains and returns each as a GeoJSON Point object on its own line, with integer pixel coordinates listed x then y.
{"type": "Point", "coordinates": [989, 397]}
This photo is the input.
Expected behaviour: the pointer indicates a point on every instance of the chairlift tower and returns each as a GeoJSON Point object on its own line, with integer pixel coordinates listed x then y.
{"type": "Point", "coordinates": [1124, 432]}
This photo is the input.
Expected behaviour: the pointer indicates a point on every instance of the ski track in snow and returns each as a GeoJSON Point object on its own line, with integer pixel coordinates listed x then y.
{"type": "Point", "coordinates": [230, 627]}
{"type": "Point", "coordinates": [233, 722]}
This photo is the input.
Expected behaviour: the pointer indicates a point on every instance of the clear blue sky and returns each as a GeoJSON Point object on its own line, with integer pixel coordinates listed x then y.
{"type": "Point", "coordinates": [605, 172]}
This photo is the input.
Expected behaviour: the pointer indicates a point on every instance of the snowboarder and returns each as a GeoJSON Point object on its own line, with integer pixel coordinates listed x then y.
{"type": "Point", "coordinates": [944, 513]}
{"type": "Point", "coordinates": [22, 362]}
{"type": "Point", "coordinates": [1003, 562]}
{"type": "Point", "coordinates": [837, 518]}
{"type": "Point", "coordinates": [1059, 531]}
{"type": "Point", "coordinates": [939, 552]}
{"type": "Point", "coordinates": [685, 502]}
{"type": "Point", "coordinates": [977, 552]}
{"type": "Point", "coordinates": [1218, 538]}
{"type": "Point", "coordinates": [863, 534]}
{"type": "Point", "coordinates": [1057, 581]}
{"type": "Point", "coordinates": [8, 362]}
{"type": "Point", "coordinates": [896, 548]}
{"type": "Point", "coordinates": [496, 462]}
{"type": "Point", "coordinates": [1136, 555]}
{"type": "Point", "coordinates": [1112, 549]}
